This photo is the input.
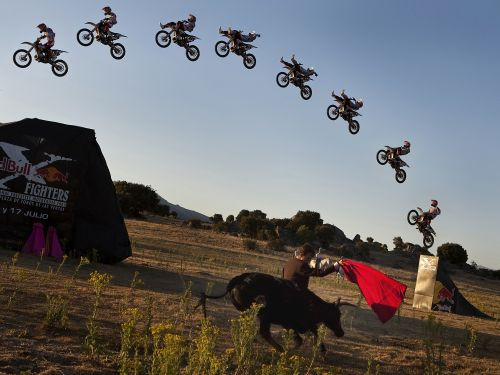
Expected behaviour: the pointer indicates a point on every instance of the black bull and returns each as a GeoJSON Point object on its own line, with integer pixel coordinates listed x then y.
{"type": "Point", "coordinates": [284, 304]}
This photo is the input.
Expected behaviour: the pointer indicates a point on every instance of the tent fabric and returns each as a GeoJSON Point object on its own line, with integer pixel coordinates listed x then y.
{"type": "Point", "coordinates": [56, 174]}
{"type": "Point", "coordinates": [447, 297]}
{"type": "Point", "coordinates": [382, 293]}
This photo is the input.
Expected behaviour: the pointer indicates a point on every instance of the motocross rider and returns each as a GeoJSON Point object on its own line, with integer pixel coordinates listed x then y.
{"type": "Point", "coordinates": [48, 34]}
{"type": "Point", "coordinates": [185, 25]}
{"type": "Point", "coordinates": [433, 212]}
{"type": "Point", "coordinates": [238, 37]}
{"type": "Point", "coordinates": [107, 23]}
{"type": "Point", "coordinates": [396, 152]}
{"type": "Point", "coordinates": [350, 104]}
{"type": "Point", "coordinates": [296, 67]}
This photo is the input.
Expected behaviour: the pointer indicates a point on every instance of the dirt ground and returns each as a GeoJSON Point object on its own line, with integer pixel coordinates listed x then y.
{"type": "Point", "coordinates": [169, 256]}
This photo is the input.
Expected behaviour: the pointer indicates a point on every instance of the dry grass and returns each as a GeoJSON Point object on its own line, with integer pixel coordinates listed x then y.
{"type": "Point", "coordinates": [169, 257]}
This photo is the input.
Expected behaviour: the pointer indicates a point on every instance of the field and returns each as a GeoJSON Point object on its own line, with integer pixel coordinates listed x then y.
{"type": "Point", "coordinates": [174, 265]}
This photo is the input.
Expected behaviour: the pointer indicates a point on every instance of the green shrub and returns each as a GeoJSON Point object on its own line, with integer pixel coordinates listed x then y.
{"type": "Point", "coordinates": [276, 245]}
{"type": "Point", "coordinates": [304, 234]}
{"type": "Point", "coordinates": [453, 253]}
{"type": "Point", "coordinates": [193, 223]}
{"type": "Point", "coordinates": [249, 244]}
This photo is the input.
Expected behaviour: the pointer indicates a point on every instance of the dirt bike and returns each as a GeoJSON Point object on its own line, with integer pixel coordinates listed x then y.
{"type": "Point", "coordinates": [22, 58]}
{"type": "Point", "coordinates": [334, 111]}
{"type": "Point", "coordinates": [297, 79]}
{"type": "Point", "coordinates": [164, 38]}
{"type": "Point", "coordinates": [418, 218]}
{"type": "Point", "coordinates": [222, 49]}
{"type": "Point", "coordinates": [86, 37]}
{"type": "Point", "coordinates": [388, 155]}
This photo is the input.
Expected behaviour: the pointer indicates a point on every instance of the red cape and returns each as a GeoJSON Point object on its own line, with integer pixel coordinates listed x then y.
{"type": "Point", "coordinates": [382, 293]}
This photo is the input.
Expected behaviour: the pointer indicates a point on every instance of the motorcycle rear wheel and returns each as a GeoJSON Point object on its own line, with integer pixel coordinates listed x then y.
{"type": "Point", "coordinates": [249, 61]}
{"type": "Point", "coordinates": [401, 176]}
{"type": "Point", "coordinates": [192, 53]}
{"type": "Point", "coordinates": [60, 68]}
{"type": "Point", "coordinates": [412, 217]}
{"type": "Point", "coordinates": [428, 240]}
{"type": "Point", "coordinates": [382, 157]}
{"type": "Point", "coordinates": [117, 50]}
{"type": "Point", "coordinates": [353, 127]}
{"type": "Point", "coordinates": [222, 48]}
{"type": "Point", "coordinates": [22, 58]}
{"type": "Point", "coordinates": [163, 39]}
{"type": "Point", "coordinates": [306, 92]}
{"type": "Point", "coordinates": [85, 37]}
{"type": "Point", "coordinates": [332, 112]}
{"type": "Point", "coordinates": [282, 79]}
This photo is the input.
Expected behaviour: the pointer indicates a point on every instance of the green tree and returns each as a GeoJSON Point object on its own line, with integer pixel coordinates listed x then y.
{"type": "Point", "coordinates": [398, 243]}
{"type": "Point", "coordinates": [217, 218]}
{"type": "Point", "coordinates": [242, 214]}
{"type": "Point", "coordinates": [174, 214]}
{"type": "Point", "coordinates": [136, 198]}
{"type": "Point", "coordinates": [304, 234]}
{"type": "Point", "coordinates": [230, 219]}
{"type": "Point", "coordinates": [308, 218]}
{"type": "Point", "coordinates": [325, 234]}
{"type": "Point", "coordinates": [453, 253]}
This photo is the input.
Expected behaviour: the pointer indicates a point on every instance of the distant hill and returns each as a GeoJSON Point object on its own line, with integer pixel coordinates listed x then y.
{"type": "Point", "coordinates": [184, 213]}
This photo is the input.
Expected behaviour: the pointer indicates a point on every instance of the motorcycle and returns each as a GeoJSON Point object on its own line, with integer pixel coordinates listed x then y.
{"type": "Point", "coordinates": [387, 155]}
{"type": "Point", "coordinates": [86, 37]}
{"type": "Point", "coordinates": [297, 79]}
{"type": "Point", "coordinates": [418, 218]}
{"type": "Point", "coordinates": [22, 58]}
{"type": "Point", "coordinates": [164, 38]}
{"type": "Point", "coordinates": [333, 112]}
{"type": "Point", "coordinates": [222, 49]}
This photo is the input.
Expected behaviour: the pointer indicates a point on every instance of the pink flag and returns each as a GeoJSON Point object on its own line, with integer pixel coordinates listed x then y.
{"type": "Point", "coordinates": [54, 248]}
{"type": "Point", "coordinates": [36, 241]}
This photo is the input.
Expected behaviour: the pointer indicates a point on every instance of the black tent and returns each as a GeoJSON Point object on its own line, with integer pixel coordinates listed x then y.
{"type": "Point", "coordinates": [56, 174]}
{"type": "Point", "coordinates": [447, 297]}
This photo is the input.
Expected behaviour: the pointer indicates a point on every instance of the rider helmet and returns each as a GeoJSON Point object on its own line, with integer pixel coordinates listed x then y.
{"type": "Point", "coordinates": [42, 27]}
{"type": "Point", "coordinates": [253, 33]}
{"type": "Point", "coordinates": [434, 203]}
{"type": "Point", "coordinates": [191, 18]}
{"type": "Point", "coordinates": [360, 102]}
{"type": "Point", "coordinates": [106, 9]}
{"type": "Point", "coordinates": [406, 144]}
{"type": "Point", "coordinates": [311, 69]}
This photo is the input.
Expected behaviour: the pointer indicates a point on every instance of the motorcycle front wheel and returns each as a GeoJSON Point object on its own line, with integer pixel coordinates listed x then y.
{"type": "Point", "coordinates": [382, 157]}
{"type": "Point", "coordinates": [412, 217]}
{"type": "Point", "coordinates": [85, 37]}
{"type": "Point", "coordinates": [221, 48]}
{"type": "Point", "coordinates": [22, 58]}
{"type": "Point", "coordinates": [249, 61]}
{"type": "Point", "coordinates": [282, 79]}
{"type": "Point", "coordinates": [332, 112]}
{"type": "Point", "coordinates": [353, 127]}
{"type": "Point", "coordinates": [401, 176]}
{"type": "Point", "coordinates": [306, 92]}
{"type": "Point", "coordinates": [59, 68]}
{"type": "Point", "coordinates": [428, 240]}
{"type": "Point", "coordinates": [192, 53]}
{"type": "Point", "coordinates": [163, 39]}
{"type": "Point", "coordinates": [117, 50]}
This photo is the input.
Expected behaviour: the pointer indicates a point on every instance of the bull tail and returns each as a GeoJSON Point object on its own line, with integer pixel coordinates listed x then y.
{"type": "Point", "coordinates": [203, 296]}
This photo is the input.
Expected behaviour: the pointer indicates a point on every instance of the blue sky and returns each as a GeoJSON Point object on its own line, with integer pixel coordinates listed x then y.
{"type": "Point", "coordinates": [216, 137]}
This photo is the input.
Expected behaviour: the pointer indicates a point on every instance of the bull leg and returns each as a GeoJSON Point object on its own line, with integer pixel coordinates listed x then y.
{"type": "Point", "coordinates": [297, 339]}
{"type": "Point", "coordinates": [265, 332]}
{"type": "Point", "coordinates": [322, 347]}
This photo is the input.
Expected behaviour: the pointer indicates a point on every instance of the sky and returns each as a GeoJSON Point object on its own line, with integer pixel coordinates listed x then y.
{"type": "Point", "coordinates": [215, 137]}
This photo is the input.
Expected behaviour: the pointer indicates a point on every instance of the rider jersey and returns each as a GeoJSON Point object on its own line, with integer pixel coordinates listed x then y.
{"type": "Point", "coordinates": [188, 26]}
{"type": "Point", "coordinates": [110, 19]}
{"type": "Point", "coordinates": [50, 35]}
{"type": "Point", "coordinates": [434, 211]}
{"type": "Point", "coordinates": [403, 150]}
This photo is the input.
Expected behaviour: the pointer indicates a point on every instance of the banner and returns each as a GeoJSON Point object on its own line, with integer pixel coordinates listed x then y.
{"type": "Point", "coordinates": [426, 280]}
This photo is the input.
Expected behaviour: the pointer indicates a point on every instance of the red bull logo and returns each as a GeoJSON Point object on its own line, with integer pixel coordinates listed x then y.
{"type": "Point", "coordinates": [444, 294]}
{"type": "Point", "coordinates": [9, 165]}
{"type": "Point", "coordinates": [52, 174]}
